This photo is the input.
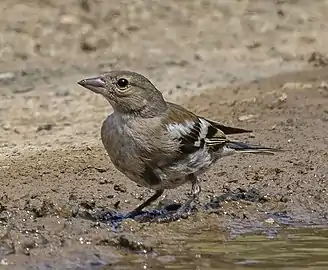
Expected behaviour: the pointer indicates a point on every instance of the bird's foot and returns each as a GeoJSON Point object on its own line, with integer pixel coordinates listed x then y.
{"type": "Point", "coordinates": [152, 214]}
{"type": "Point", "coordinates": [182, 213]}
{"type": "Point", "coordinates": [133, 214]}
{"type": "Point", "coordinates": [143, 216]}
{"type": "Point", "coordinates": [171, 217]}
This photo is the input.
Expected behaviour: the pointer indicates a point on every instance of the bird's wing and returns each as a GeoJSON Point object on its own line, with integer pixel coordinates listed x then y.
{"type": "Point", "coordinates": [227, 129]}
{"type": "Point", "coordinates": [195, 132]}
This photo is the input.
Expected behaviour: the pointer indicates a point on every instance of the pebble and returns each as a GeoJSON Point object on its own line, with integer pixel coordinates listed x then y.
{"type": "Point", "coordinates": [6, 126]}
{"type": "Point", "coordinates": [246, 117]}
{"type": "Point", "coordinates": [68, 20]}
{"type": "Point", "coordinates": [45, 127]}
{"type": "Point", "coordinates": [283, 97]}
{"type": "Point", "coordinates": [296, 85]}
{"type": "Point", "coordinates": [7, 76]}
{"type": "Point", "coordinates": [119, 187]}
{"type": "Point", "coordinates": [269, 221]}
{"type": "Point", "coordinates": [323, 89]}
{"type": "Point", "coordinates": [323, 86]}
{"type": "Point", "coordinates": [103, 181]}
{"type": "Point", "coordinates": [4, 262]}
{"type": "Point", "coordinates": [89, 43]}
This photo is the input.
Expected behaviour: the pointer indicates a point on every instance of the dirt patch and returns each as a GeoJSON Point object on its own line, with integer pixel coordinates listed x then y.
{"type": "Point", "coordinates": [211, 58]}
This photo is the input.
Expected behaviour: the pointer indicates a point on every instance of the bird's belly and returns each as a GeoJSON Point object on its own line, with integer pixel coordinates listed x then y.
{"type": "Point", "coordinates": [175, 174]}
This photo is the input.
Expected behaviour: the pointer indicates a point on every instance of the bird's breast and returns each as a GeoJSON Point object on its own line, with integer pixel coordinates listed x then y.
{"type": "Point", "coordinates": [120, 148]}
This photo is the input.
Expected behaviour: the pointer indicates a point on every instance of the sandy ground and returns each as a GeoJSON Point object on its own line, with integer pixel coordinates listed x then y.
{"type": "Point", "coordinates": [254, 64]}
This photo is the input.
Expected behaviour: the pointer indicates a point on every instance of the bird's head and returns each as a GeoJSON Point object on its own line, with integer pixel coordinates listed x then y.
{"type": "Point", "coordinates": [128, 92]}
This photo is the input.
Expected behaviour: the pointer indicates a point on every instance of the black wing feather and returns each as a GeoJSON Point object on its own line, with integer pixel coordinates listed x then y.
{"type": "Point", "coordinates": [202, 132]}
{"type": "Point", "coordinates": [226, 129]}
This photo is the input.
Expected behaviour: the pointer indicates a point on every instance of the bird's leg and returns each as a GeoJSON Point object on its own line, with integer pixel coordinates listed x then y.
{"type": "Point", "coordinates": [195, 191]}
{"type": "Point", "coordinates": [153, 198]}
{"type": "Point", "coordinates": [184, 210]}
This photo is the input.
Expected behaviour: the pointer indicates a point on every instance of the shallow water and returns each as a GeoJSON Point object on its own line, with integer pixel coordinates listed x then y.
{"type": "Point", "coordinates": [303, 248]}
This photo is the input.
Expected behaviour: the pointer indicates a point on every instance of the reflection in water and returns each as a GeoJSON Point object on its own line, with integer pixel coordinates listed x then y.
{"type": "Point", "coordinates": [305, 248]}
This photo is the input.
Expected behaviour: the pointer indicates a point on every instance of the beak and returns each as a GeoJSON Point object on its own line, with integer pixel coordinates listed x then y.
{"type": "Point", "coordinates": [95, 84]}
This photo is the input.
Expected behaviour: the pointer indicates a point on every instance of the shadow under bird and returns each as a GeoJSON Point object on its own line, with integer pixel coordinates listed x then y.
{"type": "Point", "coordinates": [158, 144]}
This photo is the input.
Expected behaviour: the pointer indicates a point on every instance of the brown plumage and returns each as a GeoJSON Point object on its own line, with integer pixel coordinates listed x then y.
{"type": "Point", "coordinates": [158, 144]}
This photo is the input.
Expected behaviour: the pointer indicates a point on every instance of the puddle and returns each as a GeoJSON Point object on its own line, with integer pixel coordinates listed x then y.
{"type": "Point", "coordinates": [304, 248]}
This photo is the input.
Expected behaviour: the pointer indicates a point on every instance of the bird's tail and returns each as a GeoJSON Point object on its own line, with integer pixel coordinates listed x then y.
{"type": "Point", "coordinates": [247, 148]}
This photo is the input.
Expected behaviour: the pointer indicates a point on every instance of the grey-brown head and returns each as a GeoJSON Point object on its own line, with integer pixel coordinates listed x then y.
{"type": "Point", "coordinates": [128, 92]}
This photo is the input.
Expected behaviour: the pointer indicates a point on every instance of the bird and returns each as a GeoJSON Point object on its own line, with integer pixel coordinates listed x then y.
{"type": "Point", "coordinates": [158, 144]}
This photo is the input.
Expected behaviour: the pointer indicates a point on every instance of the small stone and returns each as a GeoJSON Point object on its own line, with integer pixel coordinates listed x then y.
{"type": "Point", "coordinates": [26, 246]}
{"type": "Point", "coordinates": [91, 40]}
{"type": "Point", "coordinates": [68, 20]}
{"type": "Point", "coordinates": [120, 188]}
{"type": "Point", "coordinates": [290, 85]}
{"type": "Point", "coordinates": [323, 85]}
{"type": "Point", "coordinates": [246, 117]}
{"type": "Point", "coordinates": [284, 199]}
{"type": "Point", "coordinates": [254, 44]}
{"type": "Point", "coordinates": [317, 59]}
{"type": "Point", "coordinates": [88, 44]}
{"type": "Point", "coordinates": [103, 181]}
{"type": "Point", "coordinates": [45, 127]}
{"type": "Point", "coordinates": [296, 85]}
{"type": "Point", "coordinates": [4, 262]}
{"type": "Point", "coordinates": [6, 126]}
{"type": "Point", "coordinates": [283, 97]}
{"type": "Point", "coordinates": [281, 13]}
{"type": "Point", "coordinates": [7, 76]}
{"type": "Point", "coordinates": [269, 221]}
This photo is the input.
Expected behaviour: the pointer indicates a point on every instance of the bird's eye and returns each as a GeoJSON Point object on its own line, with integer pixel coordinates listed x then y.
{"type": "Point", "coordinates": [122, 83]}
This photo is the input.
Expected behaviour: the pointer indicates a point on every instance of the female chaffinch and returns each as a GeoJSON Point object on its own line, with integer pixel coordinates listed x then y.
{"type": "Point", "coordinates": [158, 144]}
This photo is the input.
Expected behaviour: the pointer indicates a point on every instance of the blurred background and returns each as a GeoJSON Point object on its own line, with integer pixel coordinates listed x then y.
{"type": "Point", "coordinates": [177, 43]}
